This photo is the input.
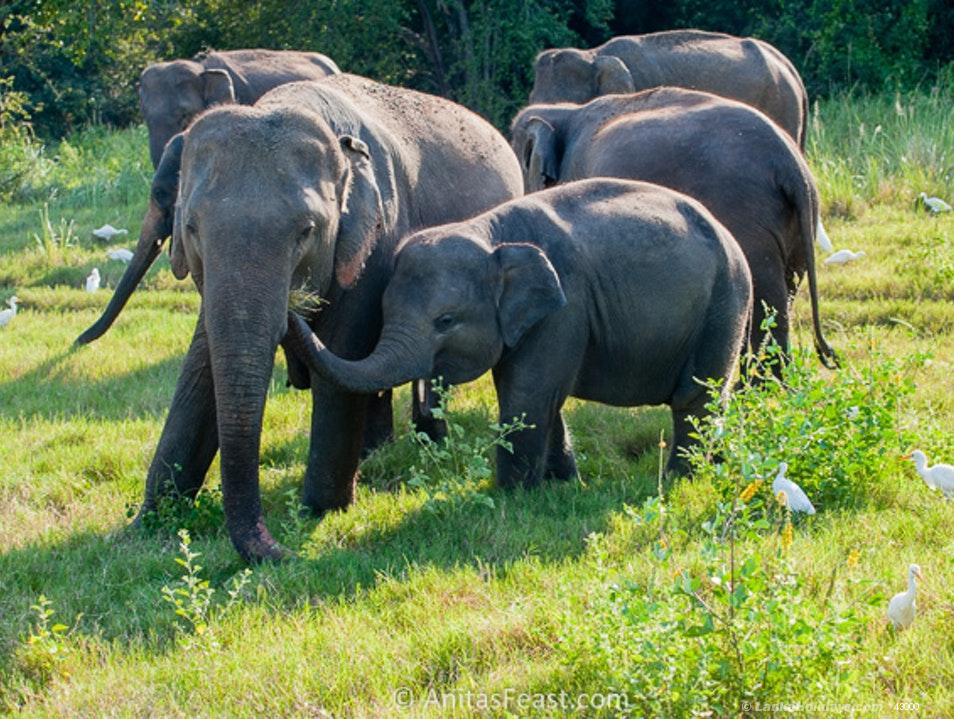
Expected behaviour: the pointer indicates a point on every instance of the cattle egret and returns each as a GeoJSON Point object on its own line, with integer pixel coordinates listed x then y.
{"type": "Point", "coordinates": [821, 237]}
{"type": "Point", "coordinates": [940, 476]}
{"type": "Point", "coordinates": [934, 205]}
{"type": "Point", "coordinates": [796, 499]}
{"type": "Point", "coordinates": [901, 608]}
{"type": "Point", "coordinates": [108, 232]}
{"type": "Point", "coordinates": [9, 314]}
{"type": "Point", "coordinates": [120, 255]}
{"type": "Point", "coordinates": [843, 257]}
{"type": "Point", "coordinates": [92, 282]}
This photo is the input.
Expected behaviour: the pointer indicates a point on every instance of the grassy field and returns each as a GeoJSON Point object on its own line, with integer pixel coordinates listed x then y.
{"type": "Point", "coordinates": [594, 588]}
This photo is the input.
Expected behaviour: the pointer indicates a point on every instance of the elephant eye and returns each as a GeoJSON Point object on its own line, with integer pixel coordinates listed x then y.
{"type": "Point", "coordinates": [444, 323]}
{"type": "Point", "coordinates": [306, 232]}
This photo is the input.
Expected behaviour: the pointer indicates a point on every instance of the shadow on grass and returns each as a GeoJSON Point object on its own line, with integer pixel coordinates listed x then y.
{"type": "Point", "coordinates": [115, 579]}
{"type": "Point", "coordinates": [51, 391]}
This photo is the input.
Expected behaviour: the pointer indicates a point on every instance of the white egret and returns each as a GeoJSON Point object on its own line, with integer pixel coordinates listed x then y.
{"type": "Point", "coordinates": [902, 607]}
{"type": "Point", "coordinates": [795, 497]}
{"type": "Point", "coordinates": [934, 205]}
{"type": "Point", "coordinates": [92, 281]}
{"type": "Point", "coordinates": [7, 315]}
{"type": "Point", "coordinates": [120, 255]}
{"type": "Point", "coordinates": [843, 257]}
{"type": "Point", "coordinates": [940, 476]}
{"type": "Point", "coordinates": [821, 237]}
{"type": "Point", "coordinates": [108, 232]}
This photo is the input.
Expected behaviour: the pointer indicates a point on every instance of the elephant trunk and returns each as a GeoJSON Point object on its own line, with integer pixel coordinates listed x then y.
{"type": "Point", "coordinates": [154, 232]}
{"type": "Point", "coordinates": [394, 360]}
{"type": "Point", "coordinates": [244, 328]}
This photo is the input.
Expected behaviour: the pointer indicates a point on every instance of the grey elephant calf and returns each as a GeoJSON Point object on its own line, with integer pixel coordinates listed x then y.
{"type": "Point", "coordinates": [172, 93]}
{"type": "Point", "coordinates": [723, 153]}
{"type": "Point", "coordinates": [620, 292]}
{"type": "Point", "coordinates": [741, 68]}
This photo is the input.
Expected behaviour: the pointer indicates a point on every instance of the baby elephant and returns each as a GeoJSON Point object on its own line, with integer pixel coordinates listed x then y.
{"type": "Point", "coordinates": [616, 291]}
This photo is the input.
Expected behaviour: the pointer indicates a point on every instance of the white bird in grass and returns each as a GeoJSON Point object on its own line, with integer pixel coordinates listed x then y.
{"type": "Point", "coordinates": [92, 282]}
{"type": "Point", "coordinates": [902, 608]}
{"type": "Point", "coordinates": [796, 499]}
{"type": "Point", "coordinates": [934, 205]}
{"type": "Point", "coordinates": [120, 255]}
{"type": "Point", "coordinates": [821, 237]}
{"type": "Point", "coordinates": [108, 232]}
{"type": "Point", "coordinates": [9, 314]}
{"type": "Point", "coordinates": [940, 476]}
{"type": "Point", "coordinates": [843, 257]}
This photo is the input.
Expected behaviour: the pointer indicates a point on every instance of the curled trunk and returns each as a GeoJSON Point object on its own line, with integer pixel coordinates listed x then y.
{"type": "Point", "coordinates": [393, 361]}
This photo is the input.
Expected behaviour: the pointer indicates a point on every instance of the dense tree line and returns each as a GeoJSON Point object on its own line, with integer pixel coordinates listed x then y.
{"type": "Point", "coordinates": [77, 61]}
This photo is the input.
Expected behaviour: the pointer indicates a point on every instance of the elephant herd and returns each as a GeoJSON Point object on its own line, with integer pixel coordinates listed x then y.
{"type": "Point", "coordinates": [668, 199]}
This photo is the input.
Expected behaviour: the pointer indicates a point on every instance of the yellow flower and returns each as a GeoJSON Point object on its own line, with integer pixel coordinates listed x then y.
{"type": "Point", "coordinates": [787, 535]}
{"type": "Point", "coordinates": [782, 498]}
{"type": "Point", "coordinates": [853, 556]}
{"type": "Point", "coordinates": [750, 490]}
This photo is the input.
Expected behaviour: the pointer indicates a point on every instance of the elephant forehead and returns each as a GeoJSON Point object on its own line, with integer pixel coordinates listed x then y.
{"type": "Point", "coordinates": [437, 258]}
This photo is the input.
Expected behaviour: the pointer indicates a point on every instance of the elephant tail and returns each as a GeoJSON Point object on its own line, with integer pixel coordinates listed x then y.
{"type": "Point", "coordinates": [804, 196]}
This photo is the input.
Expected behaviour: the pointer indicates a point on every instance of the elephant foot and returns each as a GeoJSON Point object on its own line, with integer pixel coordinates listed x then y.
{"type": "Point", "coordinates": [256, 545]}
{"type": "Point", "coordinates": [435, 429]}
{"type": "Point", "coordinates": [677, 466]}
{"type": "Point", "coordinates": [374, 438]}
{"type": "Point", "coordinates": [319, 503]}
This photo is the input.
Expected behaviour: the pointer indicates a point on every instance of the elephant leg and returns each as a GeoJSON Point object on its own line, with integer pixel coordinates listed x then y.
{"type": "Point", "coordinates": [682, 427]}
{"type": "Point", "coordinates": [771, 288]}
{"type": "Point", "coordinates": [423, 401]}
{"type": "Point", "coordinates": [190, 436]}
{"type": "Point", "coordinates": [526, 464]}
{"type": "Point", "coordinates": [337, 426]}
{"type": "Point", "coordinates": [561, 464]}
{"type": "Point", "coordinates": [379, 423]}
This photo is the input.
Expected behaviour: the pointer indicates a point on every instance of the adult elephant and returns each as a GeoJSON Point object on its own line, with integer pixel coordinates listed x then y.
{"type": "Point", "coordinates": [172, 93]}
{"type": "Point", "coordinates": [311, 187]}
{"type": "Point", "coordinates": [743, 69]}
{"type": "Point", "coordinates": [725, 154]}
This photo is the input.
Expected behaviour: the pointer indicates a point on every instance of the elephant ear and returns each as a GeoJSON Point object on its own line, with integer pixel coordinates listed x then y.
{"type": "Point", "coordinates": [177, 252]}
{"type": "Point", "coordinates": [217, 88]}
{"type": "Point", "coordinates": [539, 157]}
{"type": "Point", "coordinates": [612, 76]}
{"type": "Point", "coordinates": [165, 181]}
{"type": "Point", "coordinates": [164, 191]}
{"type": "Point", "coordinates": [529, 289]}
{"type": "Point", "coordinates": [361, 214]}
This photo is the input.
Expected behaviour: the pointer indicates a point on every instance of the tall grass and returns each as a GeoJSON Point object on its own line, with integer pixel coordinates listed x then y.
{"type": "Point", "coordinates": [867, 149]}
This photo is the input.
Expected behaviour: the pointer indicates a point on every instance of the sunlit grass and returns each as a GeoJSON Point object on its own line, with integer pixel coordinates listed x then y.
{"type": "Point", "coordinates": [389, 595]}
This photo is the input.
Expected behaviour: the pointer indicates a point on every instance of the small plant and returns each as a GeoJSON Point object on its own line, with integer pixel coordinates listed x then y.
{"type": "Point", "coordinates": [452, 472]}
{"type": "Point", "coordinates": [43, 652]}
{"type": "Point", "coordinates": [204, 514]}
{"type": "Point", "coordinates": [295, 525]}
{"type": "Point", "coordinates": [53, 239]}
{"type": "Point", "coordinates": [192, 597]}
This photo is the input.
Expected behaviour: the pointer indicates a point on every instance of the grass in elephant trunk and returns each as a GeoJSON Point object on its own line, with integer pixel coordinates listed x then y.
{"type": "Point", "coordinates": [390, 596]}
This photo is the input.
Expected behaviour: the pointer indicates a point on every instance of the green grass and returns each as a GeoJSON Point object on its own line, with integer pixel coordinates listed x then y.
{"type": "Point", "coordinates": [391, 594]}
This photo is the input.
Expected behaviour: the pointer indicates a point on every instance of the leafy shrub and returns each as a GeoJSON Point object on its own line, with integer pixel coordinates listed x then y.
{"type": "Point", "coordinates": [191, 598]}
{"type": "Point", "coordinates": [739, 629]}
{"type": "Point", "coordinates": [42, 654]}
{"type": "Point", "coordinates": [203, 515]}
{"type": "Point", "coordinates": [453, 471]}
{"type": "Point", "coordinates": [19, 152]}
{"type": "Point", "coordinates": [838, 434]}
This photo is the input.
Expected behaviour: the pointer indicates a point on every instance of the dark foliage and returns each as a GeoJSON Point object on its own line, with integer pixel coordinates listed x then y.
{"type": "Point", "coordinates": [78, 62]}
